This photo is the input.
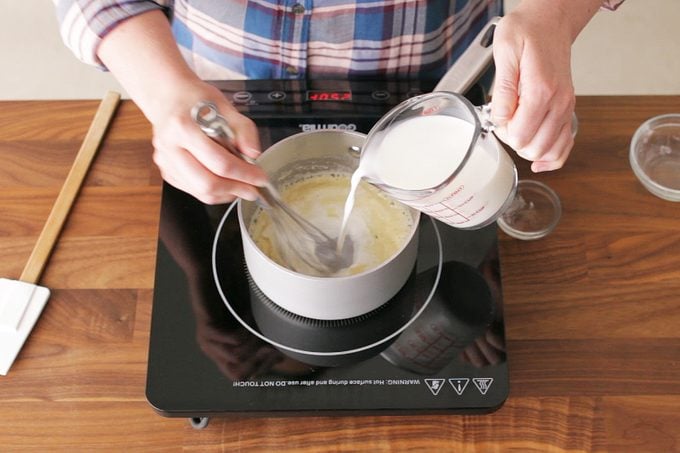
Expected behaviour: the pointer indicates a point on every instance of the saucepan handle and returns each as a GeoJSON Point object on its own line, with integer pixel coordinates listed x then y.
{"type": "Point", "coordinates": [472, 63]}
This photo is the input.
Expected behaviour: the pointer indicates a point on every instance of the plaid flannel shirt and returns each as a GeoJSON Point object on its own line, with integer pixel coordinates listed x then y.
{"type": "Point", "coordinates": [291, 39]}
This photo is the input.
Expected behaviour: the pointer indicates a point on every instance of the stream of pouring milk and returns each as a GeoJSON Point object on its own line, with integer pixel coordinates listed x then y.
{"type": "Point", "coordinates": [418, 153]}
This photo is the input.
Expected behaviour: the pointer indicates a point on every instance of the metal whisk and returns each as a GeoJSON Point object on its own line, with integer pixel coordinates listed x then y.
{"type": "Point", "coordinates": [302, 245]}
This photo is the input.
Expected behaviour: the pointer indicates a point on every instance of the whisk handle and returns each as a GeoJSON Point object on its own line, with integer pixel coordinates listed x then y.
{"type": "Point", "coordinates": [215, 126]}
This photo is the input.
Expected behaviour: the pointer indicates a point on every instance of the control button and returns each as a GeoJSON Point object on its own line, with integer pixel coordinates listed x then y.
{"type": "Point", "coordinates": [242, 97]}
{"type": "Point", "coordinates": [380, 95]}
{"type": "Point", "coordinates": [292, 70]}
{"type": "Point", "coordinates": [276, 95]}
{"type": "Point", "coordinates": [298, 8]}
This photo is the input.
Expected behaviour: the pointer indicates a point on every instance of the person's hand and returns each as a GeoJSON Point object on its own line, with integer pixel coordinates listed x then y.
{"type": "Point", "coordinates": [237, 354]}
{"type": "Point", "coordinates": [143, 55]}
{"type": "Point", "coordinates": [194, 163]}
{"type": "Point", "coordinates": [533, 97]}
{"type": "Point", "coordinates": [486, 350]}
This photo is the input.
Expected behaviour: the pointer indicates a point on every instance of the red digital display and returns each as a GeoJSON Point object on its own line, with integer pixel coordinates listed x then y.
{"type": "Point", "coordinates": [329, 95]}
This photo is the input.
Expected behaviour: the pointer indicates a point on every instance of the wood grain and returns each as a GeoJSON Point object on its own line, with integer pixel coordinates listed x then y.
{"type": "Point", "coordinates": [644, 423]}
{"type": "Point", "coordinates": [69, 190]}
{"type": "Point", "coordinates": [592, 311]}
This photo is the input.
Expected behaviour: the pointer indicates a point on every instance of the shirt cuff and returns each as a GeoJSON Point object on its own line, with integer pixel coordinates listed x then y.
{"type": "Point", "coordinates": [83, 24]}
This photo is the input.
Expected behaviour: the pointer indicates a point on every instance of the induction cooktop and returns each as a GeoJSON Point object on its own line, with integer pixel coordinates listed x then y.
{"type": "Point", "coordinates": [219, 347]}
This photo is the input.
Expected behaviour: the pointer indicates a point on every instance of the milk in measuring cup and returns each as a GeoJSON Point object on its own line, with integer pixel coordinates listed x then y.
{"type": "Point", "coordinates": [422, 152]}
{"type": "Point", "coordinates": [419, 153]}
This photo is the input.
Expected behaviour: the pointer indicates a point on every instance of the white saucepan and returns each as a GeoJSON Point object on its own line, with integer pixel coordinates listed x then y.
{"type": "Point", "coordinates": [314, 297]}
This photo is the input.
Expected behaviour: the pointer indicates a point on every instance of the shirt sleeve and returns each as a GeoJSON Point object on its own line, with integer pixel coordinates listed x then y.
{"type": "Point", "coordinates": [611, 5]}
{"type": "Point", "coordinates": [84, 23]}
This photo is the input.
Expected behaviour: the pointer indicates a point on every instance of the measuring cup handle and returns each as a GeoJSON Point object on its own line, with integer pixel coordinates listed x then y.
{"type": "Point", "coordinates": [470, 66]}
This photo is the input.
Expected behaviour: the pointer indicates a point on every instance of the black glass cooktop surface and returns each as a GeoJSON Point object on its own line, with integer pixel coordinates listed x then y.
{"type": "Point", "coordinates": [219, 347]}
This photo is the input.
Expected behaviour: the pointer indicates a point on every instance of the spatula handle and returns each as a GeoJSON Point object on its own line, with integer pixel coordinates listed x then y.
{"type": "Point", "coordinates": [62, 206]}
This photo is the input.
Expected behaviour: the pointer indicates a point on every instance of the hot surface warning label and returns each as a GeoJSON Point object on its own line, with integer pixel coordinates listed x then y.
{"type": "Point", "coordinates": [326, 382]}
{"type": "Point", "coordinates": [434, 385]}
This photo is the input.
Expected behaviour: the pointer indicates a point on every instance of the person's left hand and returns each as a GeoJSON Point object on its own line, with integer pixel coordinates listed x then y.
{"type": "Point", "coordinates": [533, 97]}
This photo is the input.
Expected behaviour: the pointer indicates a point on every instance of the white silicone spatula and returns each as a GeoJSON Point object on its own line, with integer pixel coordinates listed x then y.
{"type": "Point", "coordinates": [22, 301]}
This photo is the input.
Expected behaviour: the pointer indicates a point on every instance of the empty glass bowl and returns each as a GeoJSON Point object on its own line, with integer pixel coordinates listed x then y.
{"type": "Point", "coordinates": [655, 155]}
{"type": "Point", "coordinates": [534, 213]}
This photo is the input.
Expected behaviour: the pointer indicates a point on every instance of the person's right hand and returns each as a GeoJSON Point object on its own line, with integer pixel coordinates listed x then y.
{"type": "Point", "coordinates": [193, 162]}
{"type": "Point", "coordinates": [134, 51]}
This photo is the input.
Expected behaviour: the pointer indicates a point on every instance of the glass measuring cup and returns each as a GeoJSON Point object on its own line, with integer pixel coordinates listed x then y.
{"type": "Point", "coordinates": [478, 184]}
{"type": "Point", "coordinates": [436, 153]}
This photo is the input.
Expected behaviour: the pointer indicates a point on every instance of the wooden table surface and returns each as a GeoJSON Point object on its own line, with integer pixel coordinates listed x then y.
{"type": "Point", "coordinates": [592, 312]}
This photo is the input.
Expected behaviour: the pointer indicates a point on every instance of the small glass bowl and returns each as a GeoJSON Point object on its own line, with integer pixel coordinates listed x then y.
{"type": "Point", "coordinates": [534, 213]}
{"type": "Point", "coordinates": [655, 155]}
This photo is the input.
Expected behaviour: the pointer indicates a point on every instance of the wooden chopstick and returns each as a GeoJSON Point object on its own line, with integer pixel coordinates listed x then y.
{"type": "Point", "coordinates": [62, 206]}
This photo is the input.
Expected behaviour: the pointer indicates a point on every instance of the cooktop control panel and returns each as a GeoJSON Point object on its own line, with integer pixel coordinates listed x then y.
{"type": "Point", "coordinates": [319, 97]}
